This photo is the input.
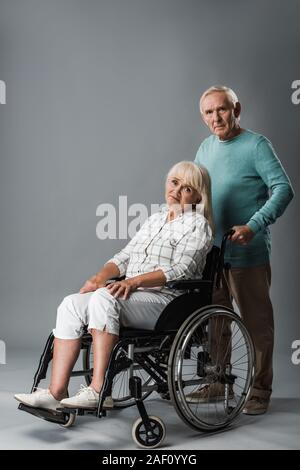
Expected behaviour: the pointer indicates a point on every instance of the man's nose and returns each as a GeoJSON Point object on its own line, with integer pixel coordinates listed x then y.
{"type": "Point", "coordinates": [216, 116]}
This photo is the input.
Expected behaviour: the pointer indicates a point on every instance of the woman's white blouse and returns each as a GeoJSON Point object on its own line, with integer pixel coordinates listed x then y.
{"type": "Point", "coordinates": [178, 247]}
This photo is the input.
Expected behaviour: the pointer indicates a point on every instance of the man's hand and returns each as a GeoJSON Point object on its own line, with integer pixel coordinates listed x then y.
{"type": "Point", "coordinates": [91, 285]}
{"type": "Point", "coordinates": [242, 234]}
{"type": "Point", "coordinates": [122, 288]}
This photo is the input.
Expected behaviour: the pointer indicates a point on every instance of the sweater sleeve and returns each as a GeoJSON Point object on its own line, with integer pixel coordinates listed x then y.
{"type": "Point", "coordinates": [270, 169]}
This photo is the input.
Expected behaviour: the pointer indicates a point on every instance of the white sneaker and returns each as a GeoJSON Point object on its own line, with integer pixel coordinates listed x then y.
{"type": "Point", "coordinates": [40, 398]}
{"type": "Point", "coordinates": [86, 397]}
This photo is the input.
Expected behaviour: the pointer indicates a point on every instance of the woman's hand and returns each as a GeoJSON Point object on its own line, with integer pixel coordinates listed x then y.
{"type": "Point", "coordinates": [122, 288]}
{"type": "Point", "coordinates": [91, 285]}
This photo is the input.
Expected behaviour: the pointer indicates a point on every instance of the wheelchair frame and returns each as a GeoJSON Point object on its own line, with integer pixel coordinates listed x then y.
{"type": "Point", "coordinates": [162, 354]}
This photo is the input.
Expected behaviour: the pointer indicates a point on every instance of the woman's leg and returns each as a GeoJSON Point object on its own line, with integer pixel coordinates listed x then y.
{"type": "Point", "coordinates": [103, 344]}
{"type": "Point", "coordinates": [65, 355]}
{"type": "Point", "coordinates": [72, 314]}
{"type": "Point", "coordinates": [140, 310]}
{"type": "Point", "coordinates": [103, 324]}
{"type": "Point", "coordinates": [71, 318]}
{"type": "Point", "coordinates": [143, 308]}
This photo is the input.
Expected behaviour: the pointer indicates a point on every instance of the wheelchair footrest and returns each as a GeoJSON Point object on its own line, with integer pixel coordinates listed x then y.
{"type": "Point", "coordinates": [78, 411]}
{"type": "Point", "coordinates": [57, 417]}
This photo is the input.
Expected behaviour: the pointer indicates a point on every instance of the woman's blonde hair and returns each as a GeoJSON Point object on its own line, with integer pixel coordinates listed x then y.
{"type": "Point", "coordinates": [198, 178]}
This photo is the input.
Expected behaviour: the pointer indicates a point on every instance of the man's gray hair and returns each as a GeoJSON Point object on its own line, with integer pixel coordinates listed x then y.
{"type": "Point", "coordinates": [224, 89]}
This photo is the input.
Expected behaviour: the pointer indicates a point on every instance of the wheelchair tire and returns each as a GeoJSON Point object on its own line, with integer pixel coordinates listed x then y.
{"type": "Point", "coordinates": [200, 366]}
{"type": "Point", "coordinates": [120, 392]}
{"type": "Point", "coordinates": [143, 439]}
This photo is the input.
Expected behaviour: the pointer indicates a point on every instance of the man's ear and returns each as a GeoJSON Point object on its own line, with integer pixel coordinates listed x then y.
{"type": "Point", "coordinates": [237, 109]}
{"type": "Point", "coordinates": [203, 118]}
{"type": "Point", "coordinates": [201, 114]}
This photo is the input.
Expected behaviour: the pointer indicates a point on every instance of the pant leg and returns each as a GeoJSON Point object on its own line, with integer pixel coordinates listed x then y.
{"type": "Point", "coordinates": [101, 310]}
{"type": "Point", "coordinates": [251, 290]}
{"type": "Point", "coordinates": [141, 310]}
{"type": "Point", "coordinates": [72, 316]}
{"type": "Point", "coordinates": [223, 295]}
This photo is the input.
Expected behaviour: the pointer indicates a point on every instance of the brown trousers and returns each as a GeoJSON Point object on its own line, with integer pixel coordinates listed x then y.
{"type": "Point", "coordinates": [250, 288]}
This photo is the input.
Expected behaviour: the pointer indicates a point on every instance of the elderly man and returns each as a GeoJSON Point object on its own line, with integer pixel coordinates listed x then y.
{"type": "Point", "coordinates": [250, 190]}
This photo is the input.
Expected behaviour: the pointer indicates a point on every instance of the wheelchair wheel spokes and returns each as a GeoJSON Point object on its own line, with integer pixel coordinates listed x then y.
{"type": "Point", "coordinates": [120, 388]}
{"type": "Point", "coordinates": [211, 365]}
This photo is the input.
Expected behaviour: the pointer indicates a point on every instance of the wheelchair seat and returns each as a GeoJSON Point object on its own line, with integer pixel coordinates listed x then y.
{"type": "Point", "coordinates": [132, 332]}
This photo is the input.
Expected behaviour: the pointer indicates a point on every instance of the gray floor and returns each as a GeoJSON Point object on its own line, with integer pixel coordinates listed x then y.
{"type": "Point", "coordinates": [278, 429]}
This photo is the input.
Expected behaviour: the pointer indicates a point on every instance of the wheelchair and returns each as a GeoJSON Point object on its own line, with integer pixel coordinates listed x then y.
{"type": "Point", "coordinates": [194, 345]}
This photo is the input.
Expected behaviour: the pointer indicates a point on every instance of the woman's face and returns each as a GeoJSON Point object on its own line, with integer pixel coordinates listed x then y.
{"type": "Point", "coordinates": [179, 194]}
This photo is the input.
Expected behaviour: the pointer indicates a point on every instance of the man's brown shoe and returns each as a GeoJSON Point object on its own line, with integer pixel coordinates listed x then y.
{"type": "Point", "coordinates": [256, 406]}
{"type": "Point", "coordinates": [209, 393]}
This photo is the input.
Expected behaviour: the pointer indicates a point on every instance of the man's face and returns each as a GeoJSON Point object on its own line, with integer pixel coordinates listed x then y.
{"type": "Point", "coordinates": [220, 115]}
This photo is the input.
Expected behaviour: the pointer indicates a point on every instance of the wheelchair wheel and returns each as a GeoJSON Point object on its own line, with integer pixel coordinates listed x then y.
{"type": "Point", "coordinates": [145, 439]}
{"type": "Point", "coordinates": [211, 368]}
{"type": "Point", "coordinates": [120, 391]}
{"type": "Point", "coordinates": [70, 421]}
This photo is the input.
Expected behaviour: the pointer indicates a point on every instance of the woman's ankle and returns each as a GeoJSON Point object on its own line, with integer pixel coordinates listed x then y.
{"type": "Point", "coordinates": [58, 394]}
{"type": "Point", "coordinates": [96, 387]}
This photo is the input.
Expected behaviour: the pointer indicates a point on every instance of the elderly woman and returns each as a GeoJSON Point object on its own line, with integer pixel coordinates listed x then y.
{"type": "Point", "coordinates": [172, 244]}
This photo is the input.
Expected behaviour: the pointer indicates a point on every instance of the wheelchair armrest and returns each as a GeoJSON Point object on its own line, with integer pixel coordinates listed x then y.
{"type": "Point", "coordinates": [188, 284]}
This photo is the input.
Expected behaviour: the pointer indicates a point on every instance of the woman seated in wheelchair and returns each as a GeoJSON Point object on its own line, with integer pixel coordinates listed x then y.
{"type": "Point", "coordinates": [171, 244]}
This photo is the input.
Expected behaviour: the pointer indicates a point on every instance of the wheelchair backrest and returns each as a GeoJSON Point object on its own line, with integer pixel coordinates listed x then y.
{"type": "Point", "coordinates": [211, 265]}
{"type": "Point", "coordinates": [181, 307]}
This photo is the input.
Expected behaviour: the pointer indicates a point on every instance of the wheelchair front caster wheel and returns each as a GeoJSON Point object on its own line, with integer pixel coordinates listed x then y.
{"type": "Point", "coordinates": [150, 439]}
{"type": "Point", "coordinates": [70, 421]}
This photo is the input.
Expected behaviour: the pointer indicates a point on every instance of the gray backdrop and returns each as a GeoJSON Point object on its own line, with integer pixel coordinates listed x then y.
{"type": "Point", "coordinates": [102, 98]}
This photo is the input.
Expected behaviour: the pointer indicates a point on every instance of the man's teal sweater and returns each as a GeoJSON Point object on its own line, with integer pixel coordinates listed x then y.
{"type": "Point", "coordinates": [249, 186]}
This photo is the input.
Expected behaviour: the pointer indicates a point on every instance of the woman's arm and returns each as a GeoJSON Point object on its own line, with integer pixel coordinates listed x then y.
{"type": "Point", "coordinates": [108, 271]}
{"type": "Point", "coordinates": [124, 288]}
{"type": "Point", "coordinates": [154, 279]}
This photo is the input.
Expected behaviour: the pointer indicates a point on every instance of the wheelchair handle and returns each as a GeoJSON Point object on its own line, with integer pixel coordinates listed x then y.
{"type": "Point", "coordinates": [221, 256]}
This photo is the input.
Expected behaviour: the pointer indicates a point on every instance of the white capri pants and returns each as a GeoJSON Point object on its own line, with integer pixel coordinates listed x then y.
{"type": "Point", "coordinates": [101, 310]}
